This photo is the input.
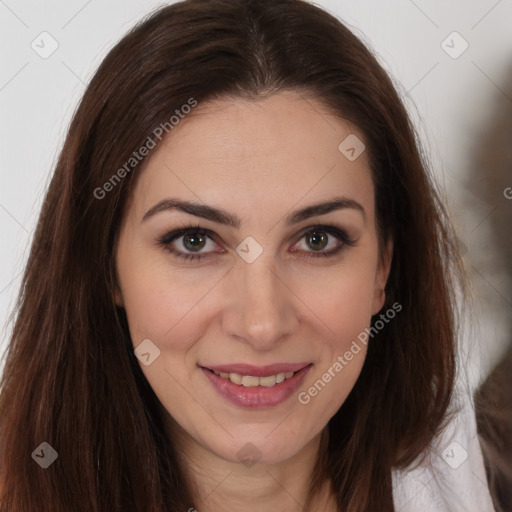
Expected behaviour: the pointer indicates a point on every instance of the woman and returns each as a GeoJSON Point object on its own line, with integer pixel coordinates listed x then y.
{"type": "Point", "coordinates": [241, 287]}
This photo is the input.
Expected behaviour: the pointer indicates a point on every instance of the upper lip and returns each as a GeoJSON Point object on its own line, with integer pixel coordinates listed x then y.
{"type": "Point", "coordinates": [257, 371]}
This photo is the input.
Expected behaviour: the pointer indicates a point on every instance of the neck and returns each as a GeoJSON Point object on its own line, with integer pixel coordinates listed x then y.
{"type": "Point", "coordinates": [219, 485]}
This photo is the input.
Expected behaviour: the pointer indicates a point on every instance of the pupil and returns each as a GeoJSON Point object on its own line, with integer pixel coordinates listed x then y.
{"type": "Point", "coordinates": [316, 238]}
{"type": "Point", "coordinates": [193, 242]}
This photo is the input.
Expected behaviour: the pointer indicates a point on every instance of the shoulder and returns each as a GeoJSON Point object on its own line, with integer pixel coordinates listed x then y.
{"type": "Point", "coordinates": [451, 476]}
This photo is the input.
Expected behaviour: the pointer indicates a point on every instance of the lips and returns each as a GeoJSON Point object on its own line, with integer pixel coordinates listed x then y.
{"type": "Point", "coordinates": [256, 386]}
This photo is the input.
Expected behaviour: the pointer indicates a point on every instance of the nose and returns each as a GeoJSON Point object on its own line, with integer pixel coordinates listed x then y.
{"type": "Point", "coordinates": [261, 309]}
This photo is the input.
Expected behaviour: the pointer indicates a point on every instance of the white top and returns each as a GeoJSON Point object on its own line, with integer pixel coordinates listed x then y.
{"type": "Point", "coordinates": [452, 477]}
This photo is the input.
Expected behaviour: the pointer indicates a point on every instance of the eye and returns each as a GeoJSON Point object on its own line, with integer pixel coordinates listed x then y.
{"type": "Point", "coordinates": [188, 243]}
{"type": "Point", "coordinates": [324, 241]}
{"type": "Point", "coordinates": [193, 238]}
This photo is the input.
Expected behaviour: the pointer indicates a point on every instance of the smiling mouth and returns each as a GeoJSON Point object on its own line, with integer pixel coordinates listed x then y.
{"type": "Point", "coordinates": [251, 376]}
{"type": "Point", "coordinates": [253, 386]}
{"type": "Point", "coordinates": [251, 381]}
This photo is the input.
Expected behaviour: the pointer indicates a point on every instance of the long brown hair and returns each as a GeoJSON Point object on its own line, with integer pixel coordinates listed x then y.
{"type": "Point", "coordinates": [71, 378]}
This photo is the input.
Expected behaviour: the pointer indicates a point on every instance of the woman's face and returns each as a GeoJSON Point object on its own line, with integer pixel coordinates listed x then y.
{"type": "Point", "coordinates": [269, 298]}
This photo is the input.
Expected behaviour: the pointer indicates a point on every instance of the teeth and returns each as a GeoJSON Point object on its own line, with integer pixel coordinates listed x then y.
{"type": "Point", "coordinates": [268, 382]}
{"type": "Point", "coordinates": [250, 381]}
{"type": "Point", "coordinates": [235, 378]}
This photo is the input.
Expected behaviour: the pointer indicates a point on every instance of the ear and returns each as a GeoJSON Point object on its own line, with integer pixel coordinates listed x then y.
{"type": "Point", "coordinates": [381, 278]}
{"type": "Point", "coordinates": [118, 297]}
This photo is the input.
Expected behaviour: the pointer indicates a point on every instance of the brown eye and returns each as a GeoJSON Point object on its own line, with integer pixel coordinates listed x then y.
{"type": "Point", "coordinates": [194, 241]}
{"type": "Point", "coordinates": [322, 241]}
{"type": "Point", "coordinates": [317, 240]}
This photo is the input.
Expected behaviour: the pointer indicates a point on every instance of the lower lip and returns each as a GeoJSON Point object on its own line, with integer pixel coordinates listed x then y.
{"type": "Point", "coordinates": [258, 396]}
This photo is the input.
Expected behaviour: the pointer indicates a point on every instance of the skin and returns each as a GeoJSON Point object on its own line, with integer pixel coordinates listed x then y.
{"type": "Point", "coordinates": [260, 161]}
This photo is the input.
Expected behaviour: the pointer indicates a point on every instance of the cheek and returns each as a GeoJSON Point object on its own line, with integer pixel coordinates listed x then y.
{"type": "Point", "coordinates": [160, 304]}
{"type": "Point", "coordinates": [171, 311]}
{"type": "Point", "coordinates": [341, 300]}
{"type": "Point", "coordinates": [340, 358]}
{"type": "Point", "coordinates": [158, 313]}
{"type": "Point", "coordinates": [340, 308]}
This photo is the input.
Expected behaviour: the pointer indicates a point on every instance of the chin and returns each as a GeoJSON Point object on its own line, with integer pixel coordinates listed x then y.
{"type": "Point", "coordinates": [258, 448]}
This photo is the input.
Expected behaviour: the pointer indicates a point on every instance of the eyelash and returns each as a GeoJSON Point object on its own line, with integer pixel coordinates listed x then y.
{"type": "Point", "coordinates": [334, 231]}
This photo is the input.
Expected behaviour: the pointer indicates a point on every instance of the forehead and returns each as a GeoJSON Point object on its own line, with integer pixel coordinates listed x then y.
{"type": "Point", "coordinates": [267, 155]}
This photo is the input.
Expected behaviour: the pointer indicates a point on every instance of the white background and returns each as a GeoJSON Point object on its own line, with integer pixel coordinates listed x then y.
{"type": "Point", "coordinates": [454, 102]}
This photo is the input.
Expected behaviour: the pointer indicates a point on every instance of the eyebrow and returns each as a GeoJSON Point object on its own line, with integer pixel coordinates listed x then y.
{"type": "Point", "coordinates": [224, 217]}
